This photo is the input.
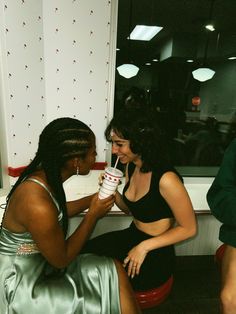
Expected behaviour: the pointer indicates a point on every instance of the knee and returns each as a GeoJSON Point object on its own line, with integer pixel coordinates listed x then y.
{"type": "Point", "coordinates": [228, 300]}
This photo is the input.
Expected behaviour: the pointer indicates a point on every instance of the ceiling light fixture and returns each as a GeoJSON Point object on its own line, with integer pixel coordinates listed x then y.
{"type": "Point", "coordinates": [128, 70]}
{"type": "Point", "coordinates": [210, 27]}
{"type": "Point", "coordinates": [203, 73]}
{"type": "Point", "coordinates": [144, 32]}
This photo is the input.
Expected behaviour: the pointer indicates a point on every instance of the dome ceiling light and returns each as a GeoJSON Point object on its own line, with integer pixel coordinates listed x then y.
{"type": "Point", "coordinates": [127, 70]}
{"type": "Point", "coordinates": [204, 73]}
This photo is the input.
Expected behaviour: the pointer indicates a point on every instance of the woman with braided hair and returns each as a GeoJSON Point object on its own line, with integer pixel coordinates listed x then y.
{"type": "Point", "coordinates": [41, 269]}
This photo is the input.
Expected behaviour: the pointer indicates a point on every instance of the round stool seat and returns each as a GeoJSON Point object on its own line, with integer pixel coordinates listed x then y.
{"type": "Point", "coordinates": [155, 296]}
{"type": "Point", "coordinates": [219, 254]}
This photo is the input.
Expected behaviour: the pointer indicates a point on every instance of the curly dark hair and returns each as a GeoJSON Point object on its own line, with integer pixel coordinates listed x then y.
{"type": "Point", "coordinates": [61, 140]}
{"type": "Point", "coordinates": [141, 128]}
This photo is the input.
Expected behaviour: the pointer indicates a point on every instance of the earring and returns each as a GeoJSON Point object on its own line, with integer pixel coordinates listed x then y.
{"type": "Point", "coordinates": [77, 171]}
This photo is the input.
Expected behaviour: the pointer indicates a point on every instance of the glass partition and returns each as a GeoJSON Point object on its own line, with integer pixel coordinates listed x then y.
{"type": "Point", "coordinates": [198, 114]}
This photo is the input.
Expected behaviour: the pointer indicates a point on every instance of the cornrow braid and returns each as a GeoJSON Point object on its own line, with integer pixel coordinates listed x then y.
{"type": "Point", "coordinates": [61, 140]}
{"type": "Point", "coordinates": [28, 170]}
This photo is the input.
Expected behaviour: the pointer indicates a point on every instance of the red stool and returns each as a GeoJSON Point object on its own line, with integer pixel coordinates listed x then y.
{"type": "Point", "coordinates": [219, 254]}
{"type": "Point", "coordinates": [154, 297]}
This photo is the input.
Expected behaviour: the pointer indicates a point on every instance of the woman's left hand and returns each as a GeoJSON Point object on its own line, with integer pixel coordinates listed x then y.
{"type": "Point", "coordinates": [135, 259]}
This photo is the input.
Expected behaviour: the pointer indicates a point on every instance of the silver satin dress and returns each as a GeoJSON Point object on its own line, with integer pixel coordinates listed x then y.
{"type": "Point", "coordinates": [29, 285]}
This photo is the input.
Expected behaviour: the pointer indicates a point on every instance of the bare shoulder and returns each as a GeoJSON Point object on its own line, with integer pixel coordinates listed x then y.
{"type": "Point", "coordinates": [170, 185]}
{"type": "Point", "coordinates": [34, 194]}
{"type": "Point", "coordinates": [170, 179]}
{"type": "Point", "coordinates": [174, 192]}
{"type": "Point", "coordinates": [31, 203]}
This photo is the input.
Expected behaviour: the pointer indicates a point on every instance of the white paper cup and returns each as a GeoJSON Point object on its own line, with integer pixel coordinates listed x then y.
{"type": "Point", "coordinates": [110, 182]}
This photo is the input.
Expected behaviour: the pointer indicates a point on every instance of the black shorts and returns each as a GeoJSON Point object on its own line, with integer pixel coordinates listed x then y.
{"type": "Point", "coordinates": [157, 267]}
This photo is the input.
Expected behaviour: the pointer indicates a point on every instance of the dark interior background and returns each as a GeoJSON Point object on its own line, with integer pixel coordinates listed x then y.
{"type": "Point", "coordinates": [199, 117]}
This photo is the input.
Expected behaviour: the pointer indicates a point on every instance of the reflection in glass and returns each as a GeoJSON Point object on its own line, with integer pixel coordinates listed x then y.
{"type": "Point", "coordinates": [199, 117]}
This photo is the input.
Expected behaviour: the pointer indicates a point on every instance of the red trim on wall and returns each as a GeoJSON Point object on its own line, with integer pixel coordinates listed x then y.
{"type": "Point", "coordinates": [15, 172]}
{"type": "Point", "coordinates": [99, 165]}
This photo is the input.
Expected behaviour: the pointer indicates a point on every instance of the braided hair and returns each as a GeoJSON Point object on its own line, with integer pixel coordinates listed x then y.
{"type": "Point", "coordinates": [61, 140]}
{"type": "Point", "coordinates": [147, 139]}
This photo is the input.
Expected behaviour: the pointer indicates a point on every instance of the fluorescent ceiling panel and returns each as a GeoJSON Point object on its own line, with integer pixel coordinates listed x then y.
{"type": "Point", "coordinates": [143, 32]}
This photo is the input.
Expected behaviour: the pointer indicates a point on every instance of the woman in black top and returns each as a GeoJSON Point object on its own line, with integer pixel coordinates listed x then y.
{"type": "Point", "coordinates": [155, 196]}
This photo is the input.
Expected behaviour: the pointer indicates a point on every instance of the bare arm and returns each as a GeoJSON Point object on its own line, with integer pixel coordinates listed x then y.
{"type": "Point", "coordinates": [40, 218]}
{"type": "Point", "coordinates": [175, 194]}
{"type": "Point", "coordinates": [78, 206]}
{"type": "Point", "coordinates": [120, 203]}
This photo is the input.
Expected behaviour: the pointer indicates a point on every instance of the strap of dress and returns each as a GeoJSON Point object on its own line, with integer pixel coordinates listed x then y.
{"type": "Point", "coordinates": [44, 186]}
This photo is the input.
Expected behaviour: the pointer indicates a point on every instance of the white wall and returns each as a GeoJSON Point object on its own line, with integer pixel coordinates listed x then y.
{"type": "Point", "coordinates": [57, 60]}
{"type": "Point", "coordinates": [77, 62]}
{"type": "Point", "coordinates": [22, 70]}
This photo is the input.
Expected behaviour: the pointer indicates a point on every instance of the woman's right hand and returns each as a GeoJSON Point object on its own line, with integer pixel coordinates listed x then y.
{"type": "Point", "coordinates": [100, 207]}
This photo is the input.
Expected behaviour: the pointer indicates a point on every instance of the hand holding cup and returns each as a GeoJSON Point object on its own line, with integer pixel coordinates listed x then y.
{"type": "Point", "coordinates": [100, 207]}
{"type": "Point", "coordinates": [110, 182]}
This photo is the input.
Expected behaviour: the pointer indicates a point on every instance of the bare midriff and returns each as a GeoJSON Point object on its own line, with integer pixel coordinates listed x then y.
{"type": "Point", "coordinates": [154, 228]}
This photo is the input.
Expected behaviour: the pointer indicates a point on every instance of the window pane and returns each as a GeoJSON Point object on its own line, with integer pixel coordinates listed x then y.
{"type": "Point", "coordinates": [198, 115]}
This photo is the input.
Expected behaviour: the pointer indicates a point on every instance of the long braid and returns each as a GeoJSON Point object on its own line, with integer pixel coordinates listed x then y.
{"type": "Point", "coordinates": [61, 140]}
{"type": "Point", "coordinates": [26, 172]}
{"type": "Point", "coordinates": [66, 142]}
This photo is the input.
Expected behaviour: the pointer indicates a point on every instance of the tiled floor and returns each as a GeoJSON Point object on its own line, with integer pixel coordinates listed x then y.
{"type": "Point", "coordinates": [195, 290]}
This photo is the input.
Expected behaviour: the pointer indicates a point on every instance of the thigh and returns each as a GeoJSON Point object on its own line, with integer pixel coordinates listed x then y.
{"type": "Point", "coordinates": [115, 244]}
{"type": "Point", "coordinates": [228, 270]}
{"type": "Point", "coordinates": [156, 269]}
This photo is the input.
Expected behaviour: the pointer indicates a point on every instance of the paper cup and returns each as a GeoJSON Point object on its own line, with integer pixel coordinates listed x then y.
{"type": "Point", "coordinates": [110, 182]}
